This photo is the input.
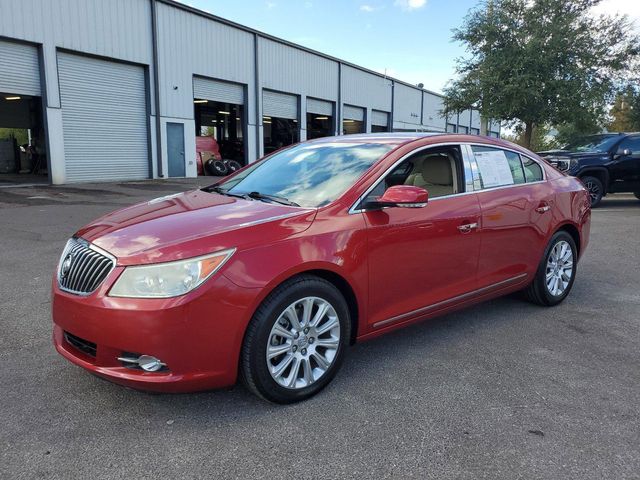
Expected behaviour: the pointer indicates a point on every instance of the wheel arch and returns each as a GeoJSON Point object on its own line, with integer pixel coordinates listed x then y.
{"type": "Point", "coordinates": [572, 230]}
{"type": "Point", "coordinates": [328, 274]}
{"type": "Point", "coordinates": [600, 173]}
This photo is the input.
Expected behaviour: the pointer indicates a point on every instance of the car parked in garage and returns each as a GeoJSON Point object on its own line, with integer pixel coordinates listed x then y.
{"type": "Point", "coordinates": [606, 163]}
{"type": "Point", "coordinates": [271, 273]}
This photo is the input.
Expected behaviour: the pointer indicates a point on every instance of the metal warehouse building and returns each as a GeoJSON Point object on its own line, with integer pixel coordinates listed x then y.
{"type": "Point", "coordinates": [125, 89]}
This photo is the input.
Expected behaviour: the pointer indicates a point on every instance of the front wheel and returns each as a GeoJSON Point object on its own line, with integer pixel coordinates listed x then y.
{"type": "Point", "coordinates": [296, 341]}
{"type": "Point", "coordinates": [595, 188]}
{"type": "Point", "coordinates": [556, 272]}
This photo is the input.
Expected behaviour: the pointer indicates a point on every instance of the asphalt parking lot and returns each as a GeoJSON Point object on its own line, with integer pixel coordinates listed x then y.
{"type": "Point", "coordinates": [501, 390]}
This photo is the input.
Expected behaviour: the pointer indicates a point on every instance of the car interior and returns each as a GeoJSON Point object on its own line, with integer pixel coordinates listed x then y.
{"type": "Point", "coordinates": [435, 170]}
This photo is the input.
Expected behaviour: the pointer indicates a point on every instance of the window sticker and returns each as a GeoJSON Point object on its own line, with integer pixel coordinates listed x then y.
{"type": "Point", "coordinates": [494, 168]}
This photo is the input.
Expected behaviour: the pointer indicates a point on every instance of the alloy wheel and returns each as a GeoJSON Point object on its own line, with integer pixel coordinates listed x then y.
{"type": "Point", "coordinates": [594, 190]}
{"type": "Point", "coordinates": [303, 343]}
{"type": "Point", "coordinates": [559, 269]}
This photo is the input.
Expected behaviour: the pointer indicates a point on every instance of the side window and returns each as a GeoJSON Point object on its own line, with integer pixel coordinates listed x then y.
{"type": "Point", "coordinates": [631, 143]}
{"type": "Point", "coordinates": [497, 167]}
{"type": "Point", "coordinates": [437, 170]}
{"type": "Point", "coordinates": [532, 171]}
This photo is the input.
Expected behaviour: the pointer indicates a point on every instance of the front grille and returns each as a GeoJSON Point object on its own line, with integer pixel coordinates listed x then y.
{"type": "Point", "coordinates": [81, 344]}
{"type": "Point", "coordinates": [83, 267]}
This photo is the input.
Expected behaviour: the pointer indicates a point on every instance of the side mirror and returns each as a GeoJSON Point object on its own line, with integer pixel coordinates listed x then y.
{"type": "Point", "coordinates": [623, 152]}
{"type": "Point", "coordinates": [404, 196]}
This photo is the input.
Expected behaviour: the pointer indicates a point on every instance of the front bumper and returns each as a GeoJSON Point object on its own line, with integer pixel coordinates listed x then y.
{"type": "Point", "coordinates": [198, 336]}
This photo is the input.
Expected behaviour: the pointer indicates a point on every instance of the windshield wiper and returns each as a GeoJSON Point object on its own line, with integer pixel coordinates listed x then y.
{"type": "Point", "coordinates": [222, 191]}
{"type": "Point", "coordinates": [271, 198]}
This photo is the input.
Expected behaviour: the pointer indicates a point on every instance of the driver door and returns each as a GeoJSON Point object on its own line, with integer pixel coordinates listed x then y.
{"type": "Point", "coordinates": [420, 257]}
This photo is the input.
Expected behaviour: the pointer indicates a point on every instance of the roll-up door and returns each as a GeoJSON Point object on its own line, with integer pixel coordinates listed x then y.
{"type": "Point", "coordinates": [353, 113]}
{"type": "Point", "coordinates": [321, 107]}
{"type": "Point", "coordinates": [380, 119]}
{"type": "Point", "coordinates": [104, 119]}
{"type": "Point", "coordinates": [218, 91]}
{"type": "Point", "coordinates": [20, 72]}
{"type": "Point", "coordinates": [279, 105]}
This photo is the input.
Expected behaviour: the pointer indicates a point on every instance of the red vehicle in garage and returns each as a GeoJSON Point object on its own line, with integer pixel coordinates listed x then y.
{"type": "Point", "coordinates": [271, 273]}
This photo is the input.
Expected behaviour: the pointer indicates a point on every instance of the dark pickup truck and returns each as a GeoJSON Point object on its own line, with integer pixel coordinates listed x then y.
{"type": "Point", "coordinates": [606, 163]}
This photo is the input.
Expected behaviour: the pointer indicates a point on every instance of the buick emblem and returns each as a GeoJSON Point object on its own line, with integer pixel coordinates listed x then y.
{"type": "Point", "coordinates": [66, 265]}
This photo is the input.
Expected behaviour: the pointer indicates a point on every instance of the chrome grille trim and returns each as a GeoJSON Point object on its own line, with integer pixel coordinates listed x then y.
{"type": "Point", "coordinates": [87, 267]}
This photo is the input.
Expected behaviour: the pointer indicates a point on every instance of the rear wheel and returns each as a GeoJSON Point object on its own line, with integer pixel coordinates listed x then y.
{"type": "Point", "coordinates": [595, 188]}
{"type": "Point", "coordinates": [296, 341]}
{"type": "Point", "coordinates": [556, 272]}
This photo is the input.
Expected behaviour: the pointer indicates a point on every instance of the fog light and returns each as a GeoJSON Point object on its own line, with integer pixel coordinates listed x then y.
{"type": "Point", "coordinates": [145, 362]}
{"type": "Point", "coordinates": [149, 363]}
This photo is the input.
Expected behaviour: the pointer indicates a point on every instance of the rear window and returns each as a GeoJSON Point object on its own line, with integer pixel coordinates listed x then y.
{"type": "Point", "coordinates": [497, 167]}
{"type": "Point", "coordinates": [532, 171]}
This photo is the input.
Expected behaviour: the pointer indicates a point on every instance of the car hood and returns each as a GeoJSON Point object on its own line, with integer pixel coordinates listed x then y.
{"type": "Point", "coordinates": [190, 224]}
{"type": "Point", "coordinates": [569, 154]}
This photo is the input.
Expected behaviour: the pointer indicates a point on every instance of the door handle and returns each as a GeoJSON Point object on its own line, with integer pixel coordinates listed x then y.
{"type": "Point", "coordinates": [543, 208]}
{"type": "Point", "coordinates": [467, 227]}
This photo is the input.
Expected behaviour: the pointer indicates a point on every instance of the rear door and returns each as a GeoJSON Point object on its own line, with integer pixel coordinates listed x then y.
{"type": "Point", "coordinates": [516, 204]}
{"type": "Point", "coordinates": [422, 257]}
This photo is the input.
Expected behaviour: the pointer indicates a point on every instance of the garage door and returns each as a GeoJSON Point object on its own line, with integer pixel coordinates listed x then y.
{"type": "Point", "coordinates": [353, 113]}
{"type": "Point", "coordinates": [20, 73]}
{"type": "Point", "coordinates": [380, 119]}
{"type": "Point", "coordinates": [279, 105]}
{"type": "Point", "coordinates": [320, 107]}
{"type": "Point", "coordinates": [104, 119]}
{"type": "Point", "coordinates": [217, 91]}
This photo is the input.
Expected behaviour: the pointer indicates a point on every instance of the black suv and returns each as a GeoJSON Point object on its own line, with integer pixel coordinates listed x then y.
{"type": "Point", "coordinates": [606, 163]}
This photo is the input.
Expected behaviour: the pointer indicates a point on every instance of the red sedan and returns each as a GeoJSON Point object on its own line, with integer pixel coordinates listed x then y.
{"type": "Point", "coordinates": [272, 273]}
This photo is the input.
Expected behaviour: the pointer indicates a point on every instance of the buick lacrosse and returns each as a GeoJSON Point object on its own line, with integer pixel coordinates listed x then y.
{"type": "Point", "coordinates": [270, 274]}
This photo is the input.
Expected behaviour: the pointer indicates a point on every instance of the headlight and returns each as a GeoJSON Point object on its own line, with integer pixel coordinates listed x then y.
{"type": "Point", "coordinates": [165, 280]}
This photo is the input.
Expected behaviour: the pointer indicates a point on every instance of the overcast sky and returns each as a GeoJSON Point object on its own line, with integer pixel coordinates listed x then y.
{"type": "Point", "coordinates": [411, 39]}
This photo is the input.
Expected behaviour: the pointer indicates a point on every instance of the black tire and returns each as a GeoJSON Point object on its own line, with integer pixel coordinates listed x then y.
{"type": "Point", "coordinates": [233, 165]}
{"type": "Point", "coordinates": [637, 195]}
{"type": "Point", "coordinates": [595, 188]}
{"type": "Point", "coordinates": [538, 292]}
{"type": "Point", "coordinates": [216, 168]}
{"type": "Point", "coordinates": [253, 362]}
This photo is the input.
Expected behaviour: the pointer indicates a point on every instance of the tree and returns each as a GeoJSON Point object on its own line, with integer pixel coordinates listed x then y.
{"type": "Point", "coordinates": [625, 112]}
{"type": "Point", "coordinates": [540, 62]}
{"type": "Point", "coordinates": [541, 138]}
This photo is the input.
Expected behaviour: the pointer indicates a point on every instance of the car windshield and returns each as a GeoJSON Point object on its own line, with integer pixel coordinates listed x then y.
{"type": "Point", "coordinates": [593, 143]}
{"type": "Point", "coordinates": [309, 174]}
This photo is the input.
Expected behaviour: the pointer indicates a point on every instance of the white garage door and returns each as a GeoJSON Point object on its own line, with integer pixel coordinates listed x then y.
{"type": "Point", "coordinates": [19, 71]}
{"type": "Point", "coordinates": [218, 91]}
{"type": "Point", "coordinates": [279, 105]}
{"type": "Point", "coordinates": [350, 112]}
{"type": "Point", "coordinates": [104, 119]}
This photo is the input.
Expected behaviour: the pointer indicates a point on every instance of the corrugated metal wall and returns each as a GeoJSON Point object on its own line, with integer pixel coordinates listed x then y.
{"type": "Point", "coordinates": [365, 89]}
{"type": "Point", "coordinates": [407, 107]}
{"type": "Point", "coordinates": [193, 44]}
{"type": "Point", "coordinates": [288, 69]}
{"type": "Point", "coordinates": [431, 114]}
{"type": "Point", "coordinates": [112, 28]}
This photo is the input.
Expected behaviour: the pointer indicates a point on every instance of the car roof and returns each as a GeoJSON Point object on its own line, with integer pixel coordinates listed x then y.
{"type": "Point", "coordinates": [382, 137]}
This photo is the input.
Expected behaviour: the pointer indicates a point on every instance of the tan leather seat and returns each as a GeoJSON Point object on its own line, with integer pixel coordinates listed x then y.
{"type": "Point", "coordinates": [435, 175]}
